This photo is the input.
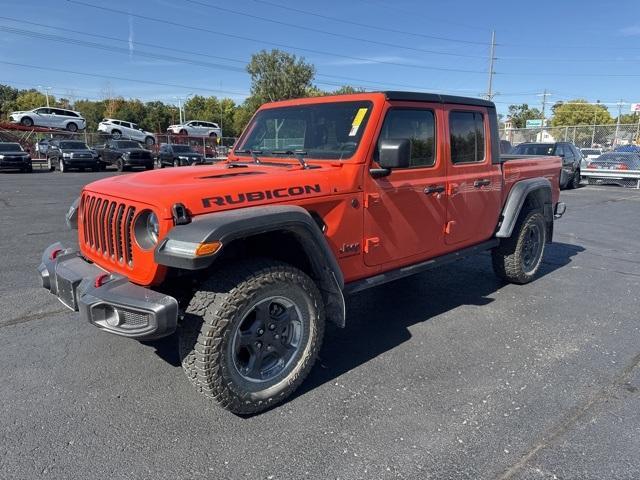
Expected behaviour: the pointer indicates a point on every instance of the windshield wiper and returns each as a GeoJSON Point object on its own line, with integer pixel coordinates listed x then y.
{"type": "Point", "coordinates": [298, 154]}
{"type": "Point", "coordinates": [254, 154]}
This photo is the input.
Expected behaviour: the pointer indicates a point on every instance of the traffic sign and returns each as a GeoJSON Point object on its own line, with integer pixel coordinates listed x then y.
{"type": "Point", "coordinates": [535, 123]}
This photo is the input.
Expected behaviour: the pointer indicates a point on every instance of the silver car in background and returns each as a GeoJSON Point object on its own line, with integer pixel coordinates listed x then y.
{"type": "Point", "coordinates": [122, 129]}
{"type": "Point", "coordinates": [50, 117]}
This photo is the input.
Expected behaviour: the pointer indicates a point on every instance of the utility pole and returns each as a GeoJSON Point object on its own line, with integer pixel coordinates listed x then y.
{"type": "Point", "coordinates": [544, 107]}
{"type": "Point", "coordinates": [615, 136]}
{"type": "Point", "coordinates": [46, 92]}
{"type": "Point", "coordinates": [595, 116]}
{"type": "Point", "coordinates": [492, 58]}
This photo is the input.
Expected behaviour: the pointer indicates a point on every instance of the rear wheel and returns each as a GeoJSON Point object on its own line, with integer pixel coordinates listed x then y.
{"type": "Point", "coordinates": [251, 334]}
{"type": "Point", "coordinates": [176, 163]}
{"type": "Point", "coordinates": [575, 180]}
{"type": "Point", "coordinates": [518, 258]}
{"type": "Point", "coordinates": [61, 167]}
{"type": "Point", "coordinates": [149, 141]}
{"type": "Point", "coordinates": [50, 165]}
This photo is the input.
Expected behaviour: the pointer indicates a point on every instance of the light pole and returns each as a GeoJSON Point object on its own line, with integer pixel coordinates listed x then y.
{"type": "Point", "coordinates": [46, 92]}
{"type": "Point", "coordinates": [184, 108]}
{"type": "Point", "coordinates": [179, 109]}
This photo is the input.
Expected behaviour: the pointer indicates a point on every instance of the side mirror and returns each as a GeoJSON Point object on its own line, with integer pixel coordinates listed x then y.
{"type": "Point", "coordinates": [392, 153]}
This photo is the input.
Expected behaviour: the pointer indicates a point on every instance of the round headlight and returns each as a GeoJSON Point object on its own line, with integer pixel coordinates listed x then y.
{"type": "Point", "coordinates": [147, 229]}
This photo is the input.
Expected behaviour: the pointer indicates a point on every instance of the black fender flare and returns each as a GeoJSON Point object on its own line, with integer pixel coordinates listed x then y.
{"type": "Point", "coordinates": [516, 199]}
{"type": "Point", "coordinates": [227, 226]}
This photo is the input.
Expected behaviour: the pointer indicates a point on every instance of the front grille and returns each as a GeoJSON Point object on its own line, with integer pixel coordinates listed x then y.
{"type": "Point", "coordinates": [81, 156]}
{"type": "Point", "coordinates": [139, 155]}
{"type": "Point", "coordinates": [107, 228]}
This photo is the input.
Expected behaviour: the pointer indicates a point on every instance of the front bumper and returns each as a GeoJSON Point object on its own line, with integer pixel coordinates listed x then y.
{"type": "Point", "coordinates": [15, 164]}
{"type": "Point", "coordinates": [115, 305]}
{"type": "Point", "coordinates": [138, 162]}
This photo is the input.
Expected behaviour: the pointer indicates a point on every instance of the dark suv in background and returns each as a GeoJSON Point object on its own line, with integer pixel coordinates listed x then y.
{"type": "Point", "coordinates": [124, 154]}
{"type": "Point", "coordinates": [13, 157]}
{"type": "Point", "coordinates": [571, 159]}
{"type": "Point", "coordinates": [178, 155]}
{"type": "Point", "coordinates": [67, 154]}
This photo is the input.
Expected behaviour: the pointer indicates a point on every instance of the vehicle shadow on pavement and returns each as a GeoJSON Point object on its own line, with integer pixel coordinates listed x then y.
{"type": "Point", "coordinates": [378, 319]}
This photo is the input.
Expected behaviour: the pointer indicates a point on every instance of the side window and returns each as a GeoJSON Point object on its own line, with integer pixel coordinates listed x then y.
{"type": "Point", "coordinates": [42, 111]}
{"type": "Point", "coordinates": [467, 137]}
{"type": "Point", "coordinates": [560, 150]}
{"type": "Point", "coordinates": [419, 127]}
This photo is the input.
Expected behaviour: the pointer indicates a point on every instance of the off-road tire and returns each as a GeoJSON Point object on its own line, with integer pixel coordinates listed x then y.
{"type": "Point", "coordinates": [213, 315]}
{"type": "Point", "coordinates": [507, 258]}
{"type": "Point", "coordinates": [575, 180]}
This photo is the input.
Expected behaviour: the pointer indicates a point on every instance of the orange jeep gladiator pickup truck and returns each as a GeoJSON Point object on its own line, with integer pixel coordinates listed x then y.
{"type": "Point", "coordinates": [320, 198]}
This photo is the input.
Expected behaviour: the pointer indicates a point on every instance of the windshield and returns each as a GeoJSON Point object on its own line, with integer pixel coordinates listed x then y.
{"type": "Point", "coordinates": [73, 146]}
{"type": "Point", "coordinates": [533, 149]}
{"type": "Point", "coordinates": [322, 130]}
{"type": "Point", "coordinates": [10, 147]}
{"type": "Point", "coordinates": [590, 151]}
{"type": "Point", "coordinates": [127, 144]}
{"type": "Point", "coordinates": [182, 149]}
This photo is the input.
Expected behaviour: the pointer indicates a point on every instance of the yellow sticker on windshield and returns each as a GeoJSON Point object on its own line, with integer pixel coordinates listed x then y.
{"type": "Point", "coordinates": [357, 120]}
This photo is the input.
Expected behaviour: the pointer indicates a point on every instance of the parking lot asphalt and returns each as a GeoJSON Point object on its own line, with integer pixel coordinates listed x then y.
{"type": "Point", "coordinates": [447, 375]}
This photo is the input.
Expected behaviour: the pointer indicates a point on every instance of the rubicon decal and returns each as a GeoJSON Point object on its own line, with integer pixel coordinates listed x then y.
{"type": "Point", "coordinates": [238, 198]}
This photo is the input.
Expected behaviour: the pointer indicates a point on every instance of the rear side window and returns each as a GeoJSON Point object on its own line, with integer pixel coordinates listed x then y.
{"type": "Point", "coordinates": [467, 137]}
{"type": "Point", "coordinates": [419, 127]}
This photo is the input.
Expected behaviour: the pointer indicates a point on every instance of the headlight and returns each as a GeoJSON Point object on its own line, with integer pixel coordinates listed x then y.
{"type": "Point", "coordinates": [66, 155]}
{"type": "Point", "coordinates": [183, 158]}
{"type": "Point", "coordinates": [1, 157]}
{"type": "Point", "coordinates": [147, 229]}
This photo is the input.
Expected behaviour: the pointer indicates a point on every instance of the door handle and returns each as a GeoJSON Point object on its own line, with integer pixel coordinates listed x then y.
{"type": "Point", "coordinates": [433, 189]}
{"type": "Point", "coordinates": [482, 183]}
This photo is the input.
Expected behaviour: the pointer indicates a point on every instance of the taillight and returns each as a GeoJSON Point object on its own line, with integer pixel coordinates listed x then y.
{"type": "Point", "coordinates": [622, 166]}
{"type": "Point", "coordinates": [591, 165]}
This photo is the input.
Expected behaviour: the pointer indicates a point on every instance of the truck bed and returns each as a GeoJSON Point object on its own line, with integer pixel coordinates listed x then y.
{"type": "Point", "coordinates": [521, 167]}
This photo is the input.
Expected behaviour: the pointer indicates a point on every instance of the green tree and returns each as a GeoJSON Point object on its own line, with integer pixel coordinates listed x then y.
{"type": "Point", "coordinates": [157, 117]}
{"type": "Point", "coordinates": [629, 118]}
{"type": "Point", "coordinates": [580, 112]}
{"type": "Point", "coordinates": [277, 75]}
{"type": "Point", "coordinates": [92, 111]}
{"type": "Point", "coordinates": [348, 89]}
{"type": "Point", "coordinates": [519, 114]}
{"type": "Point", "coordinates": [31, 99]}
{"type": "Point", "coordinates": [8, 96]}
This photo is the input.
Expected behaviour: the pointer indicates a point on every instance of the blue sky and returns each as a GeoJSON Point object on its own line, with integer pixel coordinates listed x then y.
{"type": "Point", "coordinates": [575, 49]}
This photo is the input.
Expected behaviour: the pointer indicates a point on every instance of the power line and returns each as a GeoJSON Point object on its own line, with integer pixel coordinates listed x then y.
{"type": "Point", "coordinates": [125, 79]}
{"type": "Point", "coordinates": [325, 32]}
{"type": "Point", "coordinates": [263, 42]}
{"type": "Point", "coordinates": [111, 48]}
{"type": "Point", "coordinates": [366, 25]}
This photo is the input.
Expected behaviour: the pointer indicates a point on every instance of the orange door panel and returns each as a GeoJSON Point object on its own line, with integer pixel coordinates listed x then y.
{"type": "Point", "coordinates": [474, 184]}
{"type": "Point", "coordinates": [405, 211]}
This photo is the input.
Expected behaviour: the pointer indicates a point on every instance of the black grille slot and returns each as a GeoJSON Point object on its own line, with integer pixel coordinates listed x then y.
{"type": "Point", "coordinates": [108, 228]}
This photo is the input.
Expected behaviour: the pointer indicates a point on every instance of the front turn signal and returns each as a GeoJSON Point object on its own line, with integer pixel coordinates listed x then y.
{"type": "Point", "coordinates": [204, 249]}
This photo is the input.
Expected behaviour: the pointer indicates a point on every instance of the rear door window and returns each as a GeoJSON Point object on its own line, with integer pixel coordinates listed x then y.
{"type": "Point", "coordinates": [467, 138]}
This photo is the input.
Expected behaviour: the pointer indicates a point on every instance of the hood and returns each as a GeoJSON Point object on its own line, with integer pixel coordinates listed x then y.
{"type": "Point", "coordinates": [15, 152]}
{"type": "Point", "coordinates": [130, 150]}
{"type": "Point", "coordinates": [75, 150]}
{"type": "Point", "coordinates": [206, 189]}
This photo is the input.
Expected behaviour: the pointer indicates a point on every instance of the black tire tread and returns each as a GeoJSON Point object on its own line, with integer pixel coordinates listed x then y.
{"type": "Point", "coordinates": [210, 312]}
{"type": "Point", "coordinates": [507, 257]}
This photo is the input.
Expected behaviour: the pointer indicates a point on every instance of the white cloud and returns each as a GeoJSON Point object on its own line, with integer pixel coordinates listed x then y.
{"type": "Point", "coordinates": [131, 37]}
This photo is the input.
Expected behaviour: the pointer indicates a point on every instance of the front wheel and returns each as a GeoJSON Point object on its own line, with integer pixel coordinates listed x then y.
{"type": "Point", "coordinates": [251, 334]}
{"type": "Point", "coordinates": [61, 167]}
{"type": "Point", "coordinates": [26, 122]}
{"type": "Point", "coordinates": [120, 165]}
{"type": "Point", "coordinates": [518, 258]}
{"type": "Point", "coordinates": [72, 127]}
{"type": "Point", "coordinates": [50, 165]}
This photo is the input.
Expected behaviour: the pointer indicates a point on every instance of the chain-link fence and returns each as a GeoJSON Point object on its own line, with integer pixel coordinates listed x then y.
{"type": "Point", "coordinates": [36, 142]}
{"type": "Point", "coordinates": [607, 137]}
